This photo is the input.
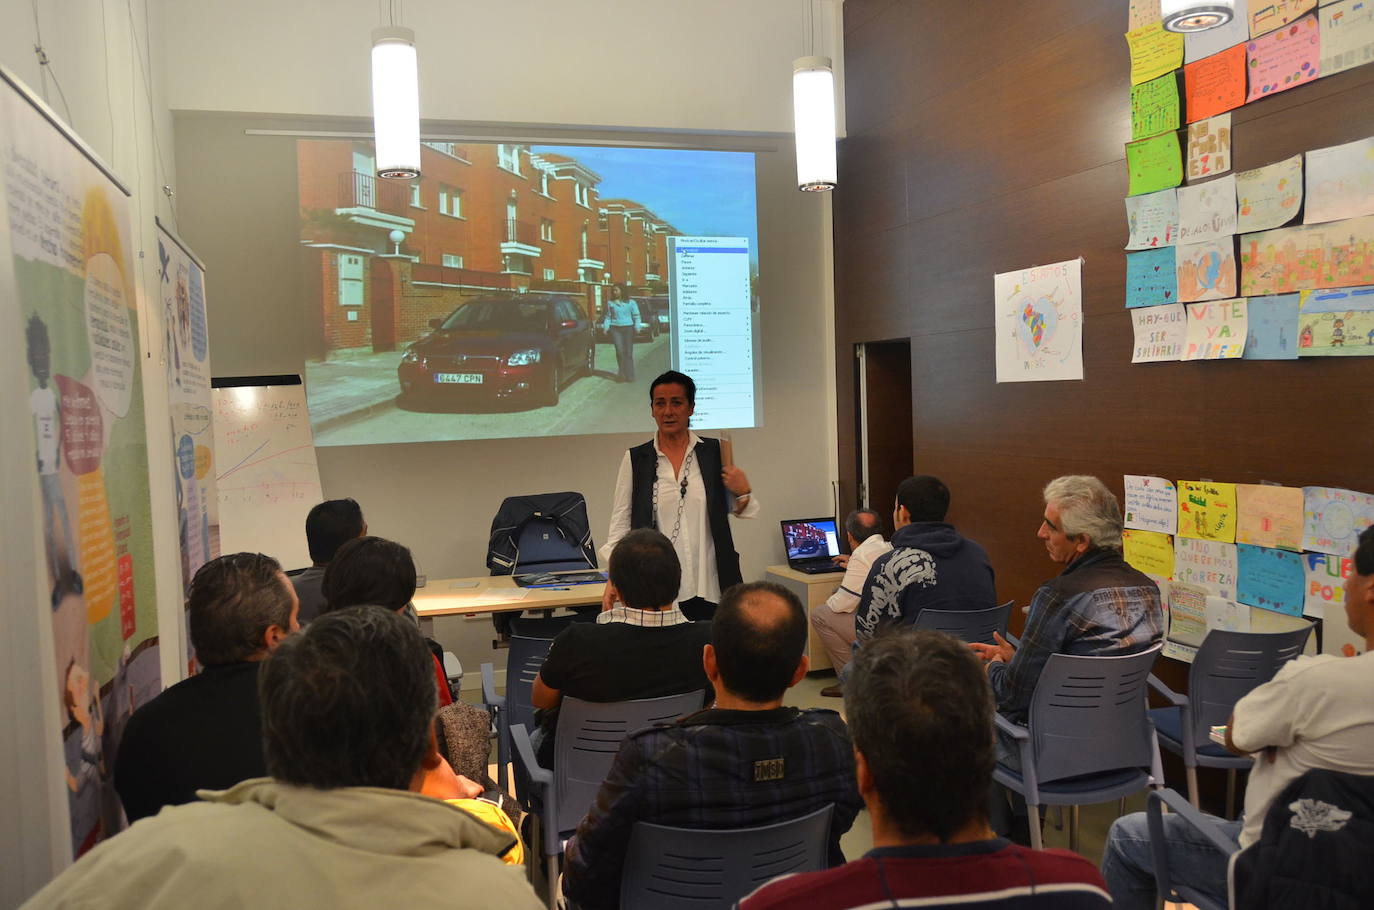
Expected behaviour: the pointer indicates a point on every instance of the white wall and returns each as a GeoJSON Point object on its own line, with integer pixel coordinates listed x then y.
{"type": "Point", "coordinates": [659, 64]}
{"type": "Point", "coordinates": [94, 48]}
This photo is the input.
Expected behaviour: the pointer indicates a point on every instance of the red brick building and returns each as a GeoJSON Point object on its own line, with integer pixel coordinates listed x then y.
{"type": "Point", "coordinates": [383, 257]}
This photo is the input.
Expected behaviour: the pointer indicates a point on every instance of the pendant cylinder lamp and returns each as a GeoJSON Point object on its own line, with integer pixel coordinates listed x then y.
{"type": "Point", "coordinates": [813, 109]}
{"type": "Point", "coordinates": [1195, 15]}
{"type": "Point", "coordinates": [396, 102]}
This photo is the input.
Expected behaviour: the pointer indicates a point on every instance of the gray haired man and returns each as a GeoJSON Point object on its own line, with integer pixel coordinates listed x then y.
{"type": "Point", "coordinates": [834, 619]}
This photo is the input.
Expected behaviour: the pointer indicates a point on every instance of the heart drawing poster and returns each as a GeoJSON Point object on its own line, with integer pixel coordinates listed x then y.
{"type": "Point", "coordinates": [1039, 323]}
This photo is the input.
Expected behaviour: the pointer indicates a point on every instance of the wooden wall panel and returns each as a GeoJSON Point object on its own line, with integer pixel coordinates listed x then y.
{"type": "Point", "coordinates": [985, 136]}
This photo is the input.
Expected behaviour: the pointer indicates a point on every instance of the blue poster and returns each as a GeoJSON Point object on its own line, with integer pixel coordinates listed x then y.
{"type": "Point", "coordinates": [1273, 328]}
{"type": "Point", "coordinates": [1151, 279]}
{"type": "Point", "coordinates": [1272, 579]}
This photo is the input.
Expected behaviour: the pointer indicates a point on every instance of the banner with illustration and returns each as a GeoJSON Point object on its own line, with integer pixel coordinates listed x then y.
{"type": "Point", "coordinates": [185, 343]}
{"type": "Point", "coordinates": [74, 307]}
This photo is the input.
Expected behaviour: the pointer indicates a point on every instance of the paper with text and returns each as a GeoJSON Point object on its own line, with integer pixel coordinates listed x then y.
{"type": "Point", "coordinates": [1152, 219]}
{"type": "Point", "coordinates": [1271, 579]}
{"type": "Point", "coordinates": [1206, 270]}
{"type": "Point", "coordinates": [1197, 45]}
{"type": "Point", "coordinates": [1155, 107]}
{"type": "Point", "coordinates": [1209, 147]}
{"type": "Point", "coordinates": [1148, 551]}
{"type": "Point", "coordinates": [1335, 255]}
{"type": "Point", "coordinates": [1216, 330]}
{"type": "Point", "coordinates": [1283, 59]}
{"type": "Point", "coordinates": [1340, 182]}
{"type": "Point", "coordinates": [1337, 322]}
{"type": "Point", "coordinates": [1039, 323]}
{"type": "Point", "coordinates": [1206, 563]}
{"type": "Point", "coordinates": [1160, 333]}
{"type": "Point", "coordinates": [1215, 84]}
{"type": "Point", "coordinates": [1267, 15]}
{"type": "Point", "coordinates": [1207, 211]}
{"type": "Point", "coordinates": [1151, 503]}
{"type": "Point", "coordinates": [1154, 164]}
{"type": "Point", "coordinates": [1227, 615]}
{"type": "Point", "coordinates": [1347, 35]}
{"type": "Point", "coordinates": [1207, 510]}
{"type": "Point", "coordinates": [1187, 614]}
{"type": "Point", "coordinates": [1269, 516]}
{"type": "Point", "coordinates": [1151, 277]}
{"type": "Point", "coordinates": [1333, 519]}
{"type": "Point", "coordinates": [1154, 52]}
{"type": "Point", "coordinates": [1272, 328]}
{"type": "Point", "coordinates": [1269, 196]}
{"type": "Point", "coordinates": [1324, 581]}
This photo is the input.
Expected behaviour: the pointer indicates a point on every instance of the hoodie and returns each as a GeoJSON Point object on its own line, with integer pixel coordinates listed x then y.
{"type": "Point", "coordinates": [931, 567]}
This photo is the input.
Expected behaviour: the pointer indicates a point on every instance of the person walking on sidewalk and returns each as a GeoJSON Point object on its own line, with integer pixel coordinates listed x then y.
{"type": "Point", "coordinates": [621, 322]}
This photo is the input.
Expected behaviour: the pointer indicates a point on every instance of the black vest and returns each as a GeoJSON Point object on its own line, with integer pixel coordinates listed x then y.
{"type": "Point", "coordinates": [644, 471]}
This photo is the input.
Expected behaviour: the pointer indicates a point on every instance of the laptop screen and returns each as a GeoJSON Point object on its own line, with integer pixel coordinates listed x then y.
{"type": "Point", "coordinates": [810, 538]}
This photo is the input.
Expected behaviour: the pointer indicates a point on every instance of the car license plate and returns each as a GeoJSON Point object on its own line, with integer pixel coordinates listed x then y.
{"type": "Point", "coordinates": [459, 378]}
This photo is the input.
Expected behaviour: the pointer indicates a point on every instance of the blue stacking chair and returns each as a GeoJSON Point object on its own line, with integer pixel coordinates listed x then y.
{"type": "Point", "coordinates": [1227, 666]}
{"type": "Point", "coordinates": [968, 625]}
{"type": "Point", "coordinates": [589, 735]}
{"type": "Point", "coordinates": [694, 869]}
{"type": "Point", "coordinates": [523, 660]}
{"type": "Point", "coordinates": [1087, 739]}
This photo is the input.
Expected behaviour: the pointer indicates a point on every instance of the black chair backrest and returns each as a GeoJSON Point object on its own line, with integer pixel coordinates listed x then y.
{"type": "Point", "coordinates": [968, 625]}
{"type": "Point", "coordinates": [1229, 664]}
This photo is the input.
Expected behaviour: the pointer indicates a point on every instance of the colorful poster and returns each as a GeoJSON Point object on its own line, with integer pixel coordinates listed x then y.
{"type": "Point", "coordinates": [1269, 196]}
{"type": "Point", "coordinates": [1207, 211]}
{"type": "Point", "coordinates": [1209, 147]}
{"type": "Point", "coordinates": [1227, 615]}
{"type": "Point", "coordinates": [1039, 323]}
{"type": "Point", "coordinates": [1333, 519]}
{"type": "Point", "coordinates": [1283, 59]}
{"type": "Point", "coordinates": [1187, 616]}
{"type": "Point", "coordinates": [1340, 182]}
{"type": "Point", "coordinates": [1149, 551]}
{"type": "Point", "coordinates": [1151, 278]}
{"type": "Point", "coordinates": [1337, 323]}
{"type": "Point", "coordinates": [75, 309]}
{"type": "Point", "coordinates": [1206, 271]}
{"type": "Point", "coordinates": [1216, 330]}
{"type": "Point", "coordinates": [1347, 35]}
{"type": "Point", "coordinates": [1154, 164]}
{"type": "Point", "coordinates": [1197, 45]}
{"type": "Point", "coordinates": [1207, 511]}
{"type": "Point", "coordinates": [1267, 16]}
{"type": "Point", "coordinates": [1272, 328]}
{"type": "Point", "coordinates": [1154, 107]}
{"type": "Point", "coordinates": [1207, 564]}
{"type": "Point", "coordinates": [1154, 52]}
{"type": "Point", "coordinates": [1269, 516]}
{"type": "Point", "coordinates": [1324, 581]}
{"type": "Point", "coordinates": [1160, 333]}
{"type": "Point", "coordinates": [1153, 220]}
{"type": "Point", "coordinates": [185, 353]}
{"type": "Point", "coordinates": [1151, 503]}
{"type": "Point", "coordinates": [1214, 85]}
{"type": "Point", "coordinates": [1335, 255]}
{"type": "Point", "coordinates": [1141, 13]}
{"type": "Point", "coordinates": [1271, 579]}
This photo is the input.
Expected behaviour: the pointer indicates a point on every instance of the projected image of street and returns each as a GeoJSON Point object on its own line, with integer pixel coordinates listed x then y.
{"type": "Point", "coordinates": [518, 290]}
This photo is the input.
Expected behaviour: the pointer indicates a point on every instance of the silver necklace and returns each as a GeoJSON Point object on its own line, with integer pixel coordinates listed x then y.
{"type": "Point", "coordinates": [681, 498]}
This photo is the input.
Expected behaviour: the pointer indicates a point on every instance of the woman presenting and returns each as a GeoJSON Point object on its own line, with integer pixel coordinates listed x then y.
{"type": "Point", "coordinates": [676, 482]}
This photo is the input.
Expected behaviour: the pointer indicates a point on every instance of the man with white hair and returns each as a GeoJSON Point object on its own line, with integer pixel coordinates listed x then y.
{"type": "Point", "coordinates": [1098, 605]}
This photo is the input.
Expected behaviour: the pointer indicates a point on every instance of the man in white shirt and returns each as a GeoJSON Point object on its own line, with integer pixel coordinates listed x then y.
{"type": "Point", "coordinates": [681, 484]}
{"type": "Point", "coordinates": [1315, 713]}
{"type": "Point", "coordinates": [834, 619]}
{"type": "Point", "coordinates": [47, 424]}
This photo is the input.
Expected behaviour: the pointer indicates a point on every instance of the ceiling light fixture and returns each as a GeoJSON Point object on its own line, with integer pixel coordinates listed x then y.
{"type": "Point", "coordinates": [1195, 16]}
{"type": "Point", "coordinates": [396, 102]}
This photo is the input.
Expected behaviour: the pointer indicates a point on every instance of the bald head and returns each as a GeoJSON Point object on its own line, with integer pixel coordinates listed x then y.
{"type": "Point", "coordinates": [759, 636]}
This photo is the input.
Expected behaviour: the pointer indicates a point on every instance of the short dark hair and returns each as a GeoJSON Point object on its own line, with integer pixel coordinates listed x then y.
{"type": "Point", "coordinates": [673, 376]}
{"type": "Point", "coordinates": [757, 652]}
{"type": "Point", "coordinates": [924, 497]}
{"type": "Point", "coordinates": [1364, 552]}
{"type": "Point", "coordinates": [645, 570]}
{"type": "Point", "coordinates": [369, 570]}
{"type": "Point", "coordinates": [859, 528]}
{"type": "Point", "coordinates": [233, 601]}
{"type": "Point", "coordinates": [919, 709]}
{"type": "Point", "coordinates": [330, 525]}
{"type": "Point", "coordinates": [349, 702]}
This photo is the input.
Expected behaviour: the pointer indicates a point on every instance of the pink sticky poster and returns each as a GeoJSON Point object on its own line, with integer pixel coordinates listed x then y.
{"type": "Point", "coordinates": [1284, 58]}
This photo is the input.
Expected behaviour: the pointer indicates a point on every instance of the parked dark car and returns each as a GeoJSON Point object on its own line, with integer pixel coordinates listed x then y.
{"type": "Point", "coordinates": [525, 347]}
{"type": "Point", "coordinates": [656, 311]}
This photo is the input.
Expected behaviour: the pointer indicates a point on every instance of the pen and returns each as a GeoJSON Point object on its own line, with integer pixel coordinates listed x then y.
{"type": "Point", "coordinates": [558, 589]}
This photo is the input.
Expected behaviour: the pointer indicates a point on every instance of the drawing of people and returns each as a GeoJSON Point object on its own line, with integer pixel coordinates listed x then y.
{"type": "Point", "coordinates": [1371, 337]}
{"type": "Point", "coordinates": [44, 403]}
{"type": "Point", "coordinates": [1305, 339]}
{"type": "Point", "coordinates": [82, 745]}
{"type": "Point", "coordinates": [1338, 333]}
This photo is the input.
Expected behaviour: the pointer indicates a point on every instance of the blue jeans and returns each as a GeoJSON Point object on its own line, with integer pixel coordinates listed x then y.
{"type": "Point", "coordinates": [1129, 867]}
{"type": "Point", "coordinates": [623, 337]}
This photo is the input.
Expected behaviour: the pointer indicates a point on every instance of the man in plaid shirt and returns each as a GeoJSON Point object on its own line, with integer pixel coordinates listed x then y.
{"type": "Point", "coordinates": [742, 762]}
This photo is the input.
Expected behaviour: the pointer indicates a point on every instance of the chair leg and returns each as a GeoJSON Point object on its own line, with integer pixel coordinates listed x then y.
{"type": "Point", "coordinates": [1192, 788]}
{"type": "Point", "coordinates": [1121, 807]}
{"type": "Point", "coordinates": [1231, 793]}
{"type": "Point", "coordinates": [551, 870]}
{"type": "Point", "coordinates": [1033, 812]}
{"type": "Point", "coordinates": [1058, 818]}
{"type": "Point", "coordinates": [1073, 828]}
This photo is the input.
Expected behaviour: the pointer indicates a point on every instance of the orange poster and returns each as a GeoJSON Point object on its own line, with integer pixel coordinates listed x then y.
{"type": "Point", "coordinates": [1215, 84]}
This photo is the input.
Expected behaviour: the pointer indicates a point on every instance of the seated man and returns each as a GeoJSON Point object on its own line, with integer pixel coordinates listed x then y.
{"type": "Point", "coordinates": [642, 648]}
{"type": "Point", "coordinates": [930, 567]}
{"type": "Point", "coordinates": [743, 762]}
{"type": "Point", "coordinates": [834, 619]}
{"type": "Point", "coordinates": [1097, 605]}
{"type": "Point", "coordinates": [329, 526]}
{"type": "Point", "coordinates": [920, 712]}
{"type": "Point", "coordinates": [205, 732]}
{"type": "Point", "coordinates": [335, 825]}
{"type": "Point", "coordinates": [1315, 713]}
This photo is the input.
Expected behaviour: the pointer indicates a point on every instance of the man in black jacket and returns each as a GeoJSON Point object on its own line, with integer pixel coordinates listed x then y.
{"type": "Point", "coordinates": [205, 732]}
{"type": "Point", "coordinates": [931, 566]}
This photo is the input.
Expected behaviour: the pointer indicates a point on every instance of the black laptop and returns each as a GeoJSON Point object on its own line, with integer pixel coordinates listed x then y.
{"type": "Point", "coordinates": [811, 544]}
